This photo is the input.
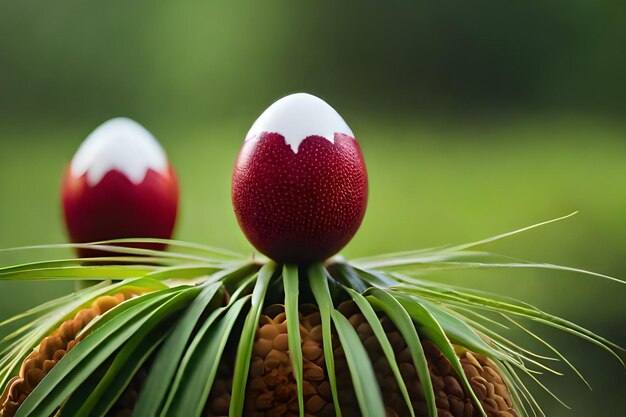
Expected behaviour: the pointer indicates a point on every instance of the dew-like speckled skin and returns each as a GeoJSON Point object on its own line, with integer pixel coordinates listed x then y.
{"type": "Point", "coordinates": [117, 208]}
{"type": "Point", "coordinates": [304, 206]}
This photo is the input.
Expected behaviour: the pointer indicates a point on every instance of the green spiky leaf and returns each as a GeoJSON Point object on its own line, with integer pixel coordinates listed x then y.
{"type": "Point", "coordinates": [244, 351]}
{"type": "Point", "coordinates": [436, 335]}
{"type": "Point", "coordinates": [166, 363]}
{"type": "Point", "coordinates": [381, 336]}
{"type": "Point", "coordinates": [201, 362]}
{"type": "Point", "coordinates": [290, 282]}
{"type": "Point", "coordinates": [401, 319]}
{"type": "Point", "coordinates": [363, 377]}
{"type": "Point", "coordinates": [321, 292]}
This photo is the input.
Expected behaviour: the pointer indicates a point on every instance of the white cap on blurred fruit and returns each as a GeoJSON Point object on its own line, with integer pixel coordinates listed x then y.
{"type": "Point", "coordinates": [120, 144]}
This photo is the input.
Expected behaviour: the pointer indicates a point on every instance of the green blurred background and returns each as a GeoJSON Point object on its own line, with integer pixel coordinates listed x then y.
{"type": "Point", "coordinates": [475, 118]}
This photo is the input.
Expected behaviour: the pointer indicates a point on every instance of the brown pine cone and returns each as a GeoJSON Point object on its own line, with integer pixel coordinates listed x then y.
{"type": "Point", "coordinates": [50, 351]}
{"type": "Point", "coordinates": [271, 389]}
{"type": "Point", "coordinates": [272, 392]}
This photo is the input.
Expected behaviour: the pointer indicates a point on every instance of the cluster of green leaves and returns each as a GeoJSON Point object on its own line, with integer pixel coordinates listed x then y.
{"type": "Point", "coordinates": [191, 297]}
{"type": "Point", "coordinates": [120, 341]}
{"type": "Point", "coordinates": [447, 314]}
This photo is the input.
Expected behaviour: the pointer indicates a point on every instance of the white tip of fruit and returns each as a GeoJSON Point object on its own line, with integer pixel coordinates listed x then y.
{"type": "Point", "coordinates": [121, 144]}
{"type": "Point", "coordinates": [297, 117]}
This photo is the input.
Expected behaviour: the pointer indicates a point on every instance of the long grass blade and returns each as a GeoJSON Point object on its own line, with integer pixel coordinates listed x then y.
{"type": "Point", "coordinates": [13, 270]}
{"type": "Point", "coordinates": [381, 336]}
{"type": "Point", "coordinates": [179, 381]}
{"type": "Point", "coordinates": [177, 243]}
{"type": "Point", "coordinates": [246, 342]}
{"type": "Point", "coordinates": [77, 273]}
{"type": "Point", "coordinates": [432, 327]}
{"type": "Point", "coordinates": [347, 275]}
{"type": "Point", "coordinates": [467, 312]}
{"type": "Point", "coordinates": [200, 365]}
{"type": "Point", "coordinates": [105, 318]}
{"type": "Point", "coordinates": [126, 376]}
{"type": "Point", "coordinates": [112, 248]}
{"type": "Point", "coordinates": [546, 389]}
{"type": "Point", "coordinates": [363, 377]}
{"type": "Point", "coordinates": [455, 329]}
{"type": "Point", "coordinates": [290, 283]}
{"type": "Point", "coordinates": [401, 319]}
{"type": "Point", "coordinates": [72, 404]}
{"type": "Point", "coordinates": [319, 286]}
{"type": "Point", "coordinates": [166, 362]}
{"type": "Point", "coordinates": [518, 396]}
{"type": "Point", "coordinates": [492, 302]}
{"type": "Point", "coordinates": [44, 308]}
{"type": "Point", "coordinates": [439, 266]}
{"type": "Point", "coordinates": [183, 272]}
{"type": "Point", "coordinates": [548, 320]}
{"type": "Point", "coordinates": [532, 402]}
{"type": "Point", "coordinates": [508, 234]}
{"type": "Point", "coordinates": [375, 278]}
{"type": "Point", "coordinates": [424, 260]}
{"type": "Point", "coordinates": [445, 252]}
{"type": "Point", "coordinates": [499, 341]}
{"type": "Point", "coordinates": [552, 348]}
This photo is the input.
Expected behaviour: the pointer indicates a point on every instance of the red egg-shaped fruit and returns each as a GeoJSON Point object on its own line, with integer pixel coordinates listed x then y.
{"type": "Point", "coordinates": [300, 184]}
{"type": "Point", "coordinates": [119, 185]}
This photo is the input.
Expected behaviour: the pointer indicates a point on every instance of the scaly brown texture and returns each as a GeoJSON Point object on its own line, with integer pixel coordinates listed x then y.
{"type": "Point", "coordinates": [272, 391]}
{"type": "Point", "coordinates": [50, 351]}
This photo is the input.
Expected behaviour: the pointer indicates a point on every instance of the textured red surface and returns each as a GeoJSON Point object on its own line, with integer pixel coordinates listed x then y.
{"type": "Point", "coordinates": [304, 206]}
{"type": "Point", "coordinates": [116, 208]}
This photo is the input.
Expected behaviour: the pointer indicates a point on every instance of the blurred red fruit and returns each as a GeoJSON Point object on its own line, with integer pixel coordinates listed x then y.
{"type": "Point", "coordinates": [119, 185]}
